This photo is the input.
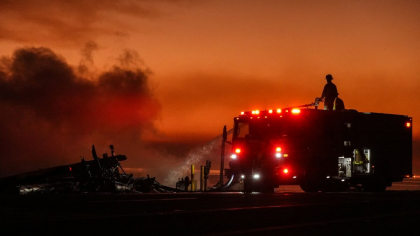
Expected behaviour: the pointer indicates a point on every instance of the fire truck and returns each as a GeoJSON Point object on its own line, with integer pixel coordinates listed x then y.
{"type": "Point", "coordinates": [320, 150]}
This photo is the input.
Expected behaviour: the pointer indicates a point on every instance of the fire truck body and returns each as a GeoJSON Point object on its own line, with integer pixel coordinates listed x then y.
{"type": "Point", "coordinates": [320, 150]}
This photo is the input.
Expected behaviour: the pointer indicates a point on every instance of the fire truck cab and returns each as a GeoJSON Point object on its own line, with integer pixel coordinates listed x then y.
{"type": "Point", "coordinates": [320, 150]}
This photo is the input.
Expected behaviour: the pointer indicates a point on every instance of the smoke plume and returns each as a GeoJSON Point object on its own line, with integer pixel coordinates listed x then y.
{"type": "Point", "coordinates": [51, 113]}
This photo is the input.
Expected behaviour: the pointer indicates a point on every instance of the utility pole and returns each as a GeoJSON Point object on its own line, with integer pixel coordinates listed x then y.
{"type": "Point", "coordinates": [222, 156]}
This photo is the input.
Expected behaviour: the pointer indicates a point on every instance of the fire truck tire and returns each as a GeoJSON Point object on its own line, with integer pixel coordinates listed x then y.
{"type": "Point", "coordinates": [374, 187]}
{"type": "Point", "coordinates": [270, 189]}
{"type": "Point", "coordinates": [266, 188]}
{"type": "Point", "coordinates": [247, 186]}
{"type": "Point", "coordinates": [336, 187]}
{"type": "Point", "coordinates": [306, 187]}
{"type": "Point", "coordinates": [311, 185]}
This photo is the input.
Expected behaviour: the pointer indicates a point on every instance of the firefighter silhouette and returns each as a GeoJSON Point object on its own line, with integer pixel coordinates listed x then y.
{"type": "Point", "coordinates": [329, 94]}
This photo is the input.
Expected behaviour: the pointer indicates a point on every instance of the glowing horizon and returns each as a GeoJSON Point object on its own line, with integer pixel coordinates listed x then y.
{"type": "Point", "coordinates": [206, 61]}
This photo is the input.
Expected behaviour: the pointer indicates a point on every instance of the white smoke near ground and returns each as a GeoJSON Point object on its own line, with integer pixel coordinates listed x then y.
{"type": "Point", "coordinates": [209, 151]}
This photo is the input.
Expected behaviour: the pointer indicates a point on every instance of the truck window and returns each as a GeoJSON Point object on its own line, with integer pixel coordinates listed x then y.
{"type": "Point", "coordinates": [242, 130]}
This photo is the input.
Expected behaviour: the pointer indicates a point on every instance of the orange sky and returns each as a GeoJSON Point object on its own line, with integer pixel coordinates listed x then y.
{"type": "Point", "coordinates": [211, 59]}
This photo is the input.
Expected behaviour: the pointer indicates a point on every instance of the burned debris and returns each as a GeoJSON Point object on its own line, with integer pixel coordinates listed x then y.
{"type": "Point", "coordinates": [98, 175]}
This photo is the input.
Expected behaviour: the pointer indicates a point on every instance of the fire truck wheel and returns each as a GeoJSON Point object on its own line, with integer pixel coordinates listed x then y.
{"type": "Point", "coordinates": [309, 188]}
{"type": "Point", "coordinates": [374, 187]}
{"type": "Point", "coordinates": [311, 185]}
{"type": "Point", "coordinates": [265, 188]}
{"type": "Point", "coordinates": [269, 189]}
{"type": "Point", "coordinates": [336, 187]}
{"type": "Point", "coordinates": [247, 186]}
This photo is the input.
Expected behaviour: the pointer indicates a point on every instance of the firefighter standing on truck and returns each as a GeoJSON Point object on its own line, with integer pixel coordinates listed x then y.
{"type": "Point", "coordinates": [329, 93]}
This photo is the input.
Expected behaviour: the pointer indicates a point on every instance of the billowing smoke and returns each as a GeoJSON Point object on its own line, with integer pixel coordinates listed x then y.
{"type": "Point", "coordinates": [52, 112]}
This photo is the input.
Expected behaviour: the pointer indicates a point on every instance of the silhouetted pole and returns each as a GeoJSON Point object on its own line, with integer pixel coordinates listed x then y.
{"type": "Point", "coordinates": [222, 156]}
{"type": "Point", "coordinates": [192, 178]}
{"type": "Point", "coordinates": [202, 179]}
{"type": "Point", "coordinates": [187, 183]}
{"type": "Point", "coordinates": [206, 173]}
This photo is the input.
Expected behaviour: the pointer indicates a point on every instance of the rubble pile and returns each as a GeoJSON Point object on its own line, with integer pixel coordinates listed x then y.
{"type": "Point", "coordinates": [98, 175]}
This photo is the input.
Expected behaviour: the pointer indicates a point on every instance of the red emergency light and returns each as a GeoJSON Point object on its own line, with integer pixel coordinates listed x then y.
{"type": "Point", "coordinates": [258, 113]}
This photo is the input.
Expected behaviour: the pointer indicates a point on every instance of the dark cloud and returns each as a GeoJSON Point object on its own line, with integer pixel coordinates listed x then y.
{"type": "Point", "coordinates": [67, 22]}
{"type": "Point", "coordinates": [50, 111]}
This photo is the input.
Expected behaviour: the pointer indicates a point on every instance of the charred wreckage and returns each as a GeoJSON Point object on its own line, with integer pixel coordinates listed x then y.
{"type": "Point", "coordinates": [98, 175]}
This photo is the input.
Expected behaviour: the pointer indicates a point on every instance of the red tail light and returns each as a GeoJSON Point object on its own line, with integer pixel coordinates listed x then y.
{"type": "Point", "coordinates": [238, 150]}
{"type": "Point", "coordinates": [278, 149]}
{"type": "Point", "coordinates": [285, 170]}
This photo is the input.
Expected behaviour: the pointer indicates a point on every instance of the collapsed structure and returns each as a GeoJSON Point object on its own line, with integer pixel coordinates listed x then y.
{"type": "Point", "coordinates": [98, 175]}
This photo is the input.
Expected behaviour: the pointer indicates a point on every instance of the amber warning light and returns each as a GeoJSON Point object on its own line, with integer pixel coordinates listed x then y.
{"type": "Point", "coordinates": [295, 111]}
{"type": "Point", "coordinates": [408, 124]}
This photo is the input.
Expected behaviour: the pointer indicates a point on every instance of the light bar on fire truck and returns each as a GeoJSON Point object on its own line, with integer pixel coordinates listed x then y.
{"type": "Point", "coordinates": [271, 112]}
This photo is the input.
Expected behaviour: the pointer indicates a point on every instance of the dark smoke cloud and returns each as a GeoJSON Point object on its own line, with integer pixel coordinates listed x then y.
{"type": "Point", "coordinates": [51, 114]}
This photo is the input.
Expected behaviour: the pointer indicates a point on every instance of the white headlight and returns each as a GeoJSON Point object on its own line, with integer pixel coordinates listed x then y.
{"type": "Point", "coordinates": [256, 176]}
{"type": "Point", "coordinates": [233, 156]}
{"type": "Point", "coordinates": [278, 155]}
